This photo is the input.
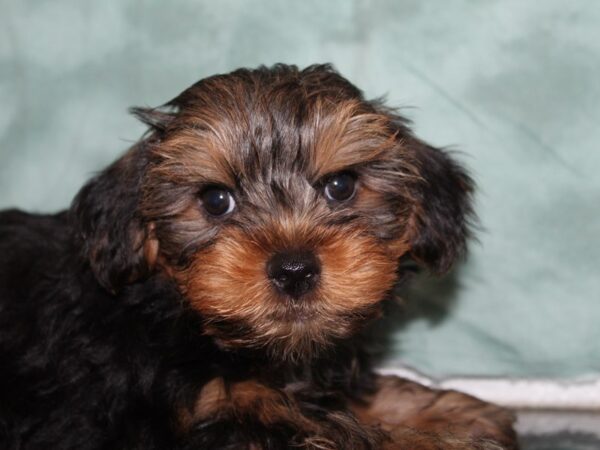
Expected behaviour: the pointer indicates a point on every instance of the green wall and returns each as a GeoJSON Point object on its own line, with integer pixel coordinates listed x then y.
{"type": "Point", "coordinates": [514, 85]}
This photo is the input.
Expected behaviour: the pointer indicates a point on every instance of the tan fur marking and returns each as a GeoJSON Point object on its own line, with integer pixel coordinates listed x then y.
{"type": "Point", "coordinates": [245, 398]}
{"type": "Point", "coordinates": [151, 247]}
{"type": "Point", "coordinates": [191, 156]}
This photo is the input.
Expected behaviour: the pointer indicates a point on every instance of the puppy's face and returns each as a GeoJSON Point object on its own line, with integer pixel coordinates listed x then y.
{"type": "Point", "coordinates": [280, 202]}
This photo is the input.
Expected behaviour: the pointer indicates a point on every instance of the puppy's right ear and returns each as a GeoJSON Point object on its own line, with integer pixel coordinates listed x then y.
{"type": "Point", "coordinates": [105, 216]}
{"type": "Point", "coordinates": [158, 119]}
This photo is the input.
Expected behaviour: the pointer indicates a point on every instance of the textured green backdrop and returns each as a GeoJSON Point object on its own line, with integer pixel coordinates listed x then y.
{"type": "Point", "coordinates": [515, 85]}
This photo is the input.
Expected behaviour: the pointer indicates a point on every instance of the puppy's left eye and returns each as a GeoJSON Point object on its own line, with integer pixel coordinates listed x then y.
{"type": "Point", "coordinates": [217, 201]}
{"type": "Point", "coordinates": [340, 187]}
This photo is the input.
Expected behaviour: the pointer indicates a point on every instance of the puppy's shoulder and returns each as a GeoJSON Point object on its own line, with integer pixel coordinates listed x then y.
{"type": "Point", "coordinates": [15, 223]}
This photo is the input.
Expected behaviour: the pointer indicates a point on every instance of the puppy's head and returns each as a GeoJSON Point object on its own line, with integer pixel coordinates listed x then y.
{"type": "Point", "coordinates": [280, 202]}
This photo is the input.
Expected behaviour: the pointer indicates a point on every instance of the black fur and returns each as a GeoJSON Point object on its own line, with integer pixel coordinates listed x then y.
{"type": "Point", "coordinates": [84, 369]}
{"type": "Point", "coordinates": [444, 222]}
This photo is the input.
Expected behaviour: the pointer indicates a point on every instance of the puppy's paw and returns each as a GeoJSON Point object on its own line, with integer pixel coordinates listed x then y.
{"type": "Point", "coordinates": [436, 418]}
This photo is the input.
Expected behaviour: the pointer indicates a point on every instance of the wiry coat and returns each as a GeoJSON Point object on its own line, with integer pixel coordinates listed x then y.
{"type": "Point", "coordinates": [136, 320]}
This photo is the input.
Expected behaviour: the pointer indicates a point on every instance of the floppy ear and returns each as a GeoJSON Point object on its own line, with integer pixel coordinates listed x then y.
{"type": "Point", "coordinates": [443, 208]}
{"type": "Point", "coordinates": [105, 216]}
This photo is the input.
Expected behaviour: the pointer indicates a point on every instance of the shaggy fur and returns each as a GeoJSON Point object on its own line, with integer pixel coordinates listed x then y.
{"type": "Point", "coordinates": [137, 320]}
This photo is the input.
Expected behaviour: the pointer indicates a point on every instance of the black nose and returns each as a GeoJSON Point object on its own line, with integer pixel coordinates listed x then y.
{"type": "Point", "coordinates": [294, 273]}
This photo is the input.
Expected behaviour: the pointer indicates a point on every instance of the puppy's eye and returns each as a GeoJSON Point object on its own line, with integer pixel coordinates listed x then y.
{"type": "Point", "coordinates": [217, 201]}
{"type": "Point", "coordinates": [340, 187]}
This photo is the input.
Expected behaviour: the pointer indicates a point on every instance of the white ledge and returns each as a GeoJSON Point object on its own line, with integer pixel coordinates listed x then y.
{"type": "Point", "coordinates": [518, 393]}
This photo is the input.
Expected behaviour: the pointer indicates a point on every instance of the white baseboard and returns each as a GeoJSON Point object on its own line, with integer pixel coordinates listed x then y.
{"type": "Point", "coordinates": [551, 422]}
{"type": "Point", "coordinates": [544, 406]}
{"type": "Point", "coordinates": [518, 393]}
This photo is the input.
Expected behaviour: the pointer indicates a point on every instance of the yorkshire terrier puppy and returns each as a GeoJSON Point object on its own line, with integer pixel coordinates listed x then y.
{"type": "Point", "coordinates": [208, 289]}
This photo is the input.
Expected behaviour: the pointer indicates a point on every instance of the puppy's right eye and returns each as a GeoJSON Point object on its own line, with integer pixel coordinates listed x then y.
{"type": "Point", "coordinates": [217, 201]}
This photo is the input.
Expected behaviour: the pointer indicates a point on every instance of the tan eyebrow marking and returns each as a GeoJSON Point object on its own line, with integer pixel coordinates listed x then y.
{"type": "Point", "coordinates": [345, 135]}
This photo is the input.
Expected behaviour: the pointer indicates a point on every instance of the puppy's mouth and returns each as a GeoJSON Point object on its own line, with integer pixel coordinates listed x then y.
{"type": "Point", "coordinates": [297, 312]}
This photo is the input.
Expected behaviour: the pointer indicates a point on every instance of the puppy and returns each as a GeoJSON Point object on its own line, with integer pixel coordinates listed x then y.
{"type": "Point", "coordinates": [207, 290]}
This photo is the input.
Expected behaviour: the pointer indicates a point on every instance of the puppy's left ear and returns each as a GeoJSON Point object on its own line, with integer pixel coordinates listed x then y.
{"type": "Point", "coordinates": [105, 216]}
{"type": "Point", "coordinates": [442, 209]}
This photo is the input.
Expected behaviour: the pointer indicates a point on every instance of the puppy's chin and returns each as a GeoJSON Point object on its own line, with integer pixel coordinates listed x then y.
{"type": "Point", "coordinates": [296, 332]}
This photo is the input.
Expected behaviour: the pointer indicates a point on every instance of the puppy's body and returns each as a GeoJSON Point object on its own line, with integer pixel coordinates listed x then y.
{"type": "Point", "coordinates": [208, 289]}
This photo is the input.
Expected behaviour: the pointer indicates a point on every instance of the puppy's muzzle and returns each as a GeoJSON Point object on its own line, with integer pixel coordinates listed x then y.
{"type": "Point", "coordinates": [294, 273]}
